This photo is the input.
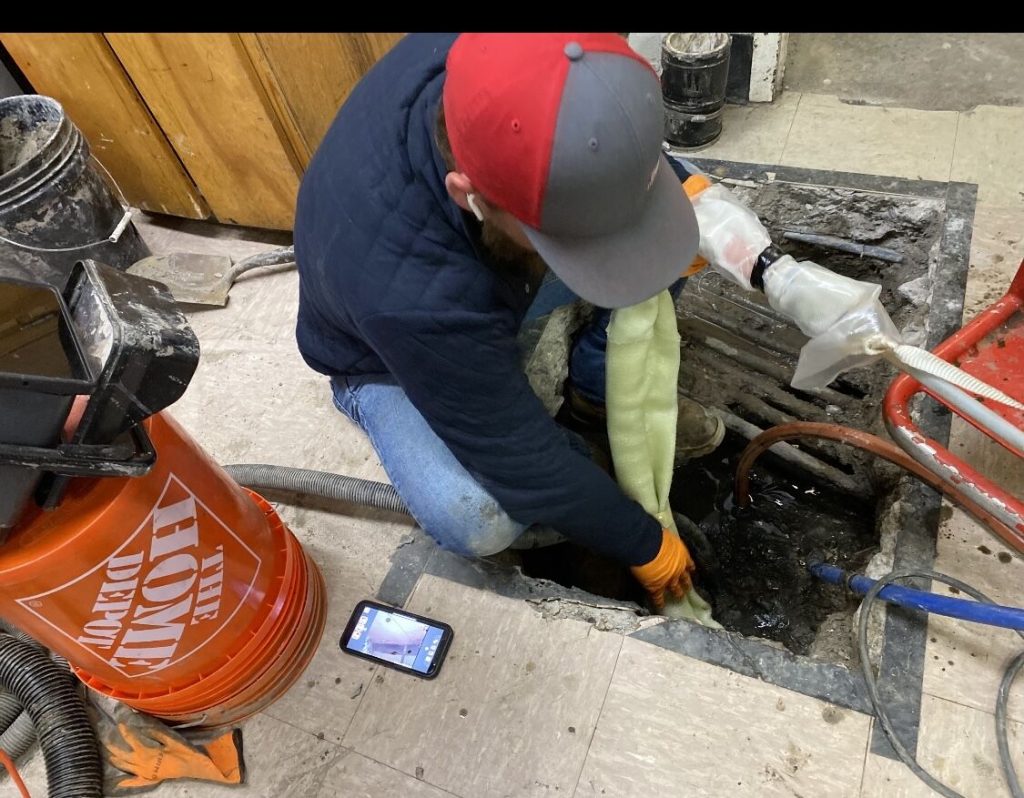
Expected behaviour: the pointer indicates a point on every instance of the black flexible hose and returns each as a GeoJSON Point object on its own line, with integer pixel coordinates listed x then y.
{"type": "Point", "coordinates": [1002, 724]}
{"type": "Point", "coordinates": [52, 700]}
{"type": "Point", "coordinates": [908, 758]}
{"type": "Point", "coordinates": [318, 483]}
{"type": "Point", "coordinates": [19, 736]}
{"type": "Point", "coordinates": [10, 708]}
{"type": "Point", "coordinates": [17, 732]}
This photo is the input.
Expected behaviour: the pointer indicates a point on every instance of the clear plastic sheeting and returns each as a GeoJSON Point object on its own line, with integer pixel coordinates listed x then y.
{"type": "Point", "coordinates": [840, 316]}
{"type": "Point", "coordinates": [849, 327]}
{"type": "Point", "coordinates": [642, 407]}
{"type": "Point", "coordinates": [731, 235]}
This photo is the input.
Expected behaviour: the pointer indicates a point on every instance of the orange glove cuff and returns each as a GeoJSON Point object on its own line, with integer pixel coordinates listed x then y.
{"type": "Point", "coordinates": [694, 185]}
{"type": "Point", "coordinates": [670, 569]}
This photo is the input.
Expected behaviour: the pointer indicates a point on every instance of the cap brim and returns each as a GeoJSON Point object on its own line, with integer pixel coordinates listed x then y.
{"type": "Point", "coordinates": [632, 264]}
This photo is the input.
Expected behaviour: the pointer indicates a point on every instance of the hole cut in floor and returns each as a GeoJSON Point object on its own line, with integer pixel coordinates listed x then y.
{"type": "Point", "coordinates": [751, 562]}
{"type": "Point", "coordinates": [738, 356]}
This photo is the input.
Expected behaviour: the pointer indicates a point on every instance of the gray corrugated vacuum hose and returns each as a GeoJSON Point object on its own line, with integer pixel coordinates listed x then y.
{"type": "Point", "coordinates": [14, 631]}
{"type": "Point", "coordinates": [17, 731]}
{"type": "Point", "coordinates": [51, 699]}
{"type": "Point", "coordinates": [318, 483]}
{"type": "Point", "coordinates": [19, 736]}
{"type": "Point", "coordinates": [10, 708]}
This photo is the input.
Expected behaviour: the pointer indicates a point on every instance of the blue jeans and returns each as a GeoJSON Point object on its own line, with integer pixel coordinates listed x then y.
{"type": "Point", "coordinates": [446, 501]}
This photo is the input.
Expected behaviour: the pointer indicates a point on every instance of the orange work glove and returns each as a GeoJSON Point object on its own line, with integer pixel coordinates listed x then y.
{"type": "Point", "coordinates": [140, 752]}
{"type": "Point", "coordinates": [670, 570]}
{"type": "Point", "coordinates": [693, 185]}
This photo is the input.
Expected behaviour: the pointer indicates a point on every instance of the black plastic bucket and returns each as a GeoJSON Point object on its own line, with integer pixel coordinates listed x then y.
{"type": "Point", "coordinates": [41, 371]}
{"type": "Point", "coordinates": [55, 207]}
{"type": "Point", "coordinates": [694, 74]}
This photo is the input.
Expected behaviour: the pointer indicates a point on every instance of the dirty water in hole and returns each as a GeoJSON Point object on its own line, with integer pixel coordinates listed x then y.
{"type": "Point", "coordinates": [757, 578]}
{"type": "Point", "coordinates": [751, 561]}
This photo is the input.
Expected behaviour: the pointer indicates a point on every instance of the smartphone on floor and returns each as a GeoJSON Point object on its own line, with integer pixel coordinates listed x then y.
{"type": "Point", "coordinates": [397, 639]}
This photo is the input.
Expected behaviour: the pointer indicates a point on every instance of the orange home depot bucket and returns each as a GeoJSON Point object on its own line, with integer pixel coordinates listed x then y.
{"type": "Point", "coordinates": [178, 593]}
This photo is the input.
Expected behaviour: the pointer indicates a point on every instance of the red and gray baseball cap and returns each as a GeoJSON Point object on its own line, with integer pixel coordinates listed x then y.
{"type": "Point", "coordinates": [564, 131]}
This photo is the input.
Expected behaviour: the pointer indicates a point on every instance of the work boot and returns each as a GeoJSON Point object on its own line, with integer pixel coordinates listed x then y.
{"type": "Point", "coordinates": [584, 414]}
{"type": "Point", "coordinates": [698, 431]}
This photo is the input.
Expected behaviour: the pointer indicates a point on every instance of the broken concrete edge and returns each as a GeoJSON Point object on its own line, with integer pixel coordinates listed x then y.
{"type": "Point", "coordinates": [954, 261]}
{"type": "Point", "coordinates": [901, 670]}
{"type": "Point", "coordinates": [420, 555]}
{"type": "Point", "coordinates": [550, 599]}
{"type": "Point", "coordinates": [746, 656]}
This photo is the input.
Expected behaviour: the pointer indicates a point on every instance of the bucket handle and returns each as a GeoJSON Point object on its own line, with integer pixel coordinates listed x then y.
{"type": "Point", "coordinates": [114, 236]}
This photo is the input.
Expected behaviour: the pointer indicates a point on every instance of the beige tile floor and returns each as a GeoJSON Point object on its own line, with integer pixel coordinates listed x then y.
{"type": "Point", "coordinates": [533, 707]}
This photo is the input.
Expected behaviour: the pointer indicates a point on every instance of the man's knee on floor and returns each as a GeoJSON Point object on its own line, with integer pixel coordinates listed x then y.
{"type": "Point", "coordinates": [474, 526]}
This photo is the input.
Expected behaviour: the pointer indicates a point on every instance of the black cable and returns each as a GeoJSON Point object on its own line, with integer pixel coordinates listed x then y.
{"type": "Point", "coordinates": [908, 759]}
{"type": "Point", "coordinates": [1002, 724]}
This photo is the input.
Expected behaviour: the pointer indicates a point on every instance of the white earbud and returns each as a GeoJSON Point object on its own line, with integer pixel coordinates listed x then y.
{"type": "Point", "coordinates": [471, 201]}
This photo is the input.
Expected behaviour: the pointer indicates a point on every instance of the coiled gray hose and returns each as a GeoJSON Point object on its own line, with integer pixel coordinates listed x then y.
{"type": "Point", "coordinates": [273, 257]}
{"type": "Point", "coordinates": [19, 736]}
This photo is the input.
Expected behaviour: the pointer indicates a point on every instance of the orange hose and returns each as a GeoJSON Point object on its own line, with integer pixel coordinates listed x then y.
{"type": "Point", "coordinates": [15, 776]}
{"type": "Point", "coordinates": [870, 443]}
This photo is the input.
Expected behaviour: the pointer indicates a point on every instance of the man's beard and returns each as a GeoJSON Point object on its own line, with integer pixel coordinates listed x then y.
{"type": "Point", "coordinates": [507, 255]}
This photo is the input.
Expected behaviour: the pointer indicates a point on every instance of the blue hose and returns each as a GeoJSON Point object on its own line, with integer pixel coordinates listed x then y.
{"type": "Point", "coordinates": [978, 612]}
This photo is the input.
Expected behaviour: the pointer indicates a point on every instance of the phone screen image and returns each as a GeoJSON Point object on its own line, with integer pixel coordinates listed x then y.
{"type": "Point", "coordinates": [395, 638]}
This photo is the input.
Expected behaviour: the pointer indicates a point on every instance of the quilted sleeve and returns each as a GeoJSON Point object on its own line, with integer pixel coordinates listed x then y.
{"type": "Point", "coordinates": [461, 370]}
